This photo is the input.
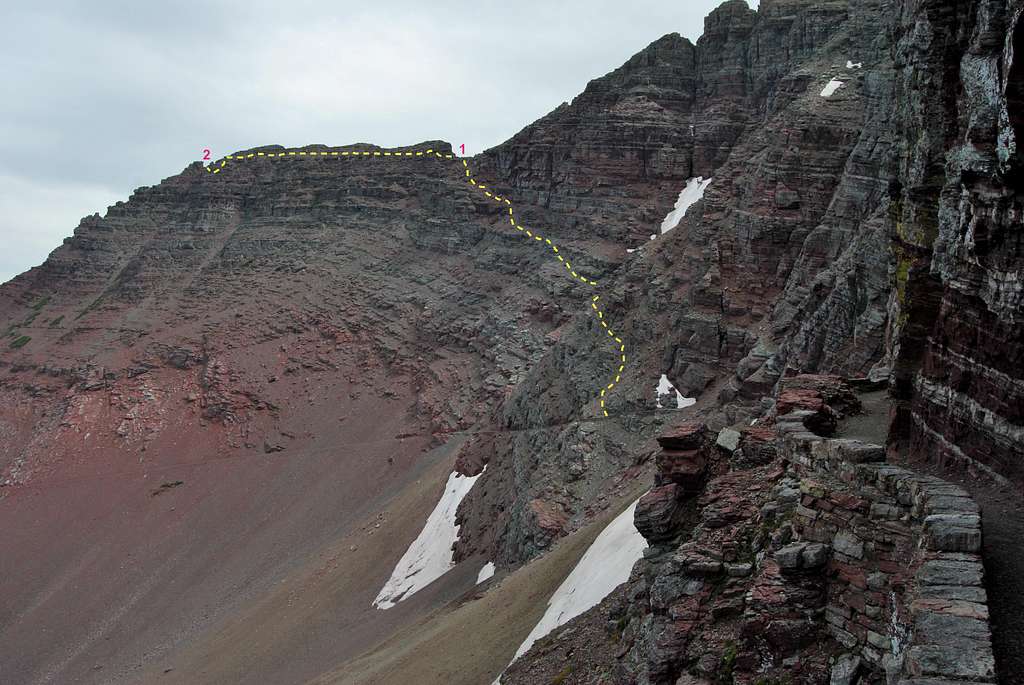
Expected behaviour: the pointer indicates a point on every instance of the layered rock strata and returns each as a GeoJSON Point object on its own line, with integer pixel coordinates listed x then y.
{"type": "Point", "coordinates": [783, 267]}
{"type": "Point", "coordinates": [959, 303]}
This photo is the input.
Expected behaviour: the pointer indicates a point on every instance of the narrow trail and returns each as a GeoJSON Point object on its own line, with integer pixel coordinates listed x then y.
{"type": "Point", "coordinates": [535, 237]}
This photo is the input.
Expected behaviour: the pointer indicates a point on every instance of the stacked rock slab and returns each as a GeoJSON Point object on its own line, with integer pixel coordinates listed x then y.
{"type": "Point", "coordinates": [728, 598]}
{"type": "Point", "coordinates": [682, 467]}
{"type": "Point", "coordinates": [757, 445]}
{"type": "Point", "coordinates": [684, 455]}
{"type": "Point", "coordinates": [905, 591]}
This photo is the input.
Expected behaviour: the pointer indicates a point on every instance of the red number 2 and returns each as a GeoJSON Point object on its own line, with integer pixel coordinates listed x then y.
{"type": "Point", "coordinates": [462, 147]}
{"type": "Point", "coordinates": [206, 153]}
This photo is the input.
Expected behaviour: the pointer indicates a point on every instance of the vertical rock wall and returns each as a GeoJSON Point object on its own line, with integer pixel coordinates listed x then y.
{"type": "Point", "coordinates": [959, 297]}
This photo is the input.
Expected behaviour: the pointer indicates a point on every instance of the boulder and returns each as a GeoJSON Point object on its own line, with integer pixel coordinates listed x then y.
{"type": "Point", "coordinates": [814, 555]}
{"type": "Point", "coordinates": [683, 460]}
{"type": "Point", "coordinates": [849, 544]}
{"type": "Point", "coordinates": [728, 439]}
{"type": "Point", "coordinates": [658, 513]}
{"type": "Point", "coordinates": [834, 391]}
{"type": "Point", "coordinates": [819, 417]}
{"type": "Point", "coordinates": [758, 444]}
{"type": "Point", "coordinates": [686, 436]}
{"type": "Point", "coordinates": [788, 558]}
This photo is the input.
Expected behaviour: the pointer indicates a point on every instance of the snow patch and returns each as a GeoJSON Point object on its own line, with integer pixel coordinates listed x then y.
{"type": "Point", "coordinates": [851, 65]}
{"type": "Point", "coordinates": [693, 192]}
{"type": "Point", "coordinates": [830, 89]}
{"type": "Point", "coordinates": [430, 555]}
{"type": "Point", "coordinates": [605, 565]}
{"type": "Point", "coordinates": [666, 388]}
{"type": "Point", "coordinates": [486, 572]}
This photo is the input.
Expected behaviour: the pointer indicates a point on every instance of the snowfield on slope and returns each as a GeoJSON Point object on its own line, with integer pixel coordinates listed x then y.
{"type": "Point", "coordinates": [691, 194]}
{"type": "Point", "coordinates": [665, 389]}
{"type": "Point", "coordinates": [831, 87]}
{"type": "Point", "coordinates": [430, 555]}
{"type": "Point", "coordinates": [485, 573]}
{"type": "Point", "coordinates": [605, 565]}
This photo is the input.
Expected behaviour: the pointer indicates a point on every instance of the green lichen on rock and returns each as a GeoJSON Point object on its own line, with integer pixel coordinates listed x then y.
{"type": "Point", "coordinates": [726, 665]}
{"type": "Point", "coordinates": [562, 676]}
{"type": "Point", "coordinates": [904, 263]}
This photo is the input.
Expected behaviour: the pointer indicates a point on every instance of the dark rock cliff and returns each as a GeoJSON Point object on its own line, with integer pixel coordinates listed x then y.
{"type": "Point", "coordinates": [959, 301]}
{"type": "Point", "coordinates": [909, 271]}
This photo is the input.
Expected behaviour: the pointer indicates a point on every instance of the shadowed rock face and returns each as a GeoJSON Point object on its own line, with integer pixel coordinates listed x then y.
{"type": "Point", "coordinates": [959, 301]}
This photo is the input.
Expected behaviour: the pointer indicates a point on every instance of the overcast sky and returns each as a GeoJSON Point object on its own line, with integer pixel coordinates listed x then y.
{"type": "Point", "coordinates": [100, 97]}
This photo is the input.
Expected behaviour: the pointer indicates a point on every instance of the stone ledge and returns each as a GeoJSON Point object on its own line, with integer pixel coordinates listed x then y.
{"type": "Point", "coordinates": [865, 506]}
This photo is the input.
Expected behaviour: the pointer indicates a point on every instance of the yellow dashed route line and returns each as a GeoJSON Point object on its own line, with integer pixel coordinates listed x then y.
{"type": "Point", "coordinates": [532, 236]}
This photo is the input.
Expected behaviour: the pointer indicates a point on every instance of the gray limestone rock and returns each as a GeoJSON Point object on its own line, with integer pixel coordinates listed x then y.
{"type": "Point", "coordinates": [844, 672]}
{"type": "Point", "coordinates": [728, 439]}
{"type": "Point", "coordinates": [849, 544]}
{"type": "Point", "coordinates": [955, 569]}
{"type": "Point", "coordinates": [789, 557]}
{"type": "Point", "coordinates": [814, 555]}
{"type": "Point", "coordinates": [953, 532]}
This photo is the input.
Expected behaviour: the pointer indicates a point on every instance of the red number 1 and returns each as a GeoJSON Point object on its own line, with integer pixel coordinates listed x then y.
{"type": "Point", "coordinates": [463, 148]}
{"type": "Point", "coordinates": [206, 153]}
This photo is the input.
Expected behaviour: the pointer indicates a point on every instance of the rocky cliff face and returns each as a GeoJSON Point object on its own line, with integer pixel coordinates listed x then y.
{"type": "Point", "coordinates": [785, 263]}
{"type": "Point", "coordinates": [959, 299]}
{"type": "Point", "coordinates": [912, 265]}
{"type": "Point", "coordinates": [246, 285]}
{"type": "Point", "coordinates": [222, 375]}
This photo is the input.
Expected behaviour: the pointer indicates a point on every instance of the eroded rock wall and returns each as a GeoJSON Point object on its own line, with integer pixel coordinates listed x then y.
{"type": "Point", "coordinates": [959, 304]}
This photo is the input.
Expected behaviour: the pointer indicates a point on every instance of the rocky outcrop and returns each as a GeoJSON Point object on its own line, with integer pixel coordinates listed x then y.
{"type": "Point", "coordinates": [682, 468]}
{"type": "Point", "coordinates": [905, 591]}
{"type": "Point", "coordinates": [734, 598]}
{"type": "Point", "coordinates": [242, 286]}
{"type": "Point", "coordinates": [659, 512]}
{"type": "Point", "coordinates": [684, 457]}
{"type": "Point", "coordinates": [825, 565]}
